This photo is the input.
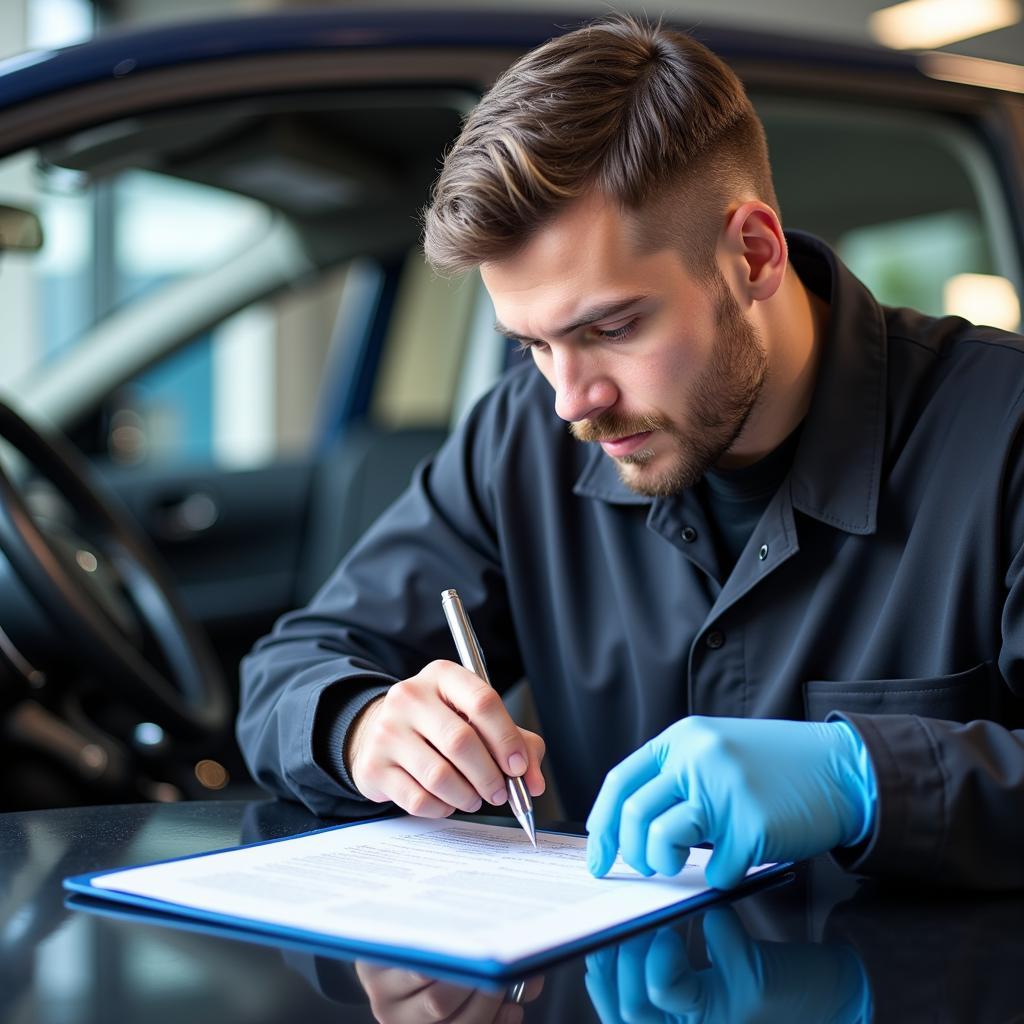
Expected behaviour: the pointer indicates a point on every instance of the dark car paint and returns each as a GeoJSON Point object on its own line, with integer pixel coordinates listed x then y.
{"type": "Point", "coordinates": [135, 51]}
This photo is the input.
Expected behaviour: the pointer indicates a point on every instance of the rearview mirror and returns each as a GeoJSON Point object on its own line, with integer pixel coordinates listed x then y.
{"type": "Point", "coordinates": [20, 229]}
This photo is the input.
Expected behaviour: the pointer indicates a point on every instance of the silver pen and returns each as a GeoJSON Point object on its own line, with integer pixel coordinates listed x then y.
{"type": "Point", "coordinates": [473, 658]}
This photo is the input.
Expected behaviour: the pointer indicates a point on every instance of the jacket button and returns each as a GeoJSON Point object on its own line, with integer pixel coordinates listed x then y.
{"type": "Point", "coordinates": [715, 639]}
{"type": "Point", "coordinates": [689, 534]}
{"type": "Point", "coordinates": [763, 553]}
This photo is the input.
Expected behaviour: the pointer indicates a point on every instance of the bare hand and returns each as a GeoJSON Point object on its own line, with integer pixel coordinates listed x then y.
{"type": "Point", "coordinates": [440, 741]}
{"type": "Point", "coordinates": [399, 996]}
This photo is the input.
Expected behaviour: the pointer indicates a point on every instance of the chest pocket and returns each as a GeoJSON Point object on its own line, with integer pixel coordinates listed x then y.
{"type": "Point", "coordinates": [962, 697]}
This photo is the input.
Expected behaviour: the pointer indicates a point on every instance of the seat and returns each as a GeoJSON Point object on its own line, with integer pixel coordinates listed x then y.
{"type": "Point", "coordinates": [359, 476]}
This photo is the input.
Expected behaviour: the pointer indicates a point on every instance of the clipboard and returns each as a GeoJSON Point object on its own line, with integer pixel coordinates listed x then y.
{"type": "Point", "coordinates": [319, 949]}
{"type": "Point", "coordinates": [369, 941]}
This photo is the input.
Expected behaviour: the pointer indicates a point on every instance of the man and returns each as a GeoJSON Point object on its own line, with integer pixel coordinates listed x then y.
{"type": "Point", "coordinates": [768, 579]}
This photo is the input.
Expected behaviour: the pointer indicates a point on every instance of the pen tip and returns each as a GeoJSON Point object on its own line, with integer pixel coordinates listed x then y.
{"type": "Point", "coordinates": [524, 814]}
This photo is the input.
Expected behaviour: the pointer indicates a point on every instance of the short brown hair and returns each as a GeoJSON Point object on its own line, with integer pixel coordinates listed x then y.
{"type": "Point", "coordinates": [645, 114]}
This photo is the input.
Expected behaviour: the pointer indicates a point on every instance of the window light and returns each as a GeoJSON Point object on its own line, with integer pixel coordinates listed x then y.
{"type": "Point", "coordinates": [927, 24]}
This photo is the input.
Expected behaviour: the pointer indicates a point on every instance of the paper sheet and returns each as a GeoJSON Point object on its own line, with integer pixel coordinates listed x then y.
{"type": "Point", "coordinates": [459, 889]}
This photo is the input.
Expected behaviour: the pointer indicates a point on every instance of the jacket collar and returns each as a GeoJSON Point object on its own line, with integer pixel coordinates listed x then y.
{"type": "Point", "coordinates": [599, 479]}
{"type": "Point", "coordinates": [838, 463]}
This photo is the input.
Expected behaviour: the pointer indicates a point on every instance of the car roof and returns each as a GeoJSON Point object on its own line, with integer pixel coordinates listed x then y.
{"type": "Point", "coordinates": [126, 53]}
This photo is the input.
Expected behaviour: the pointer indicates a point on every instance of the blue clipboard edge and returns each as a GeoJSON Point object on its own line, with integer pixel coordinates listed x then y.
{"type": "Point", "coordinates": [321, 948]}
{"type": "Point", "coordinates": [246, 928]}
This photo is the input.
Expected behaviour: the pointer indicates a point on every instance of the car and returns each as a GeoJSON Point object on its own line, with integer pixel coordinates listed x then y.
{"type": "Point", "coordinates": [224, 353]}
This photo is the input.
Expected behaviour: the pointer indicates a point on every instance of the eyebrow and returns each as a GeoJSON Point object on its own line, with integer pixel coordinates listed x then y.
{"type": "Point", "coordinates": [592, 315]}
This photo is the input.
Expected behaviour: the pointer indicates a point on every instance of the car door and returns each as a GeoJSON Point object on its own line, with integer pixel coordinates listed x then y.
{"type": "Point", "coordinates": [222, 279]}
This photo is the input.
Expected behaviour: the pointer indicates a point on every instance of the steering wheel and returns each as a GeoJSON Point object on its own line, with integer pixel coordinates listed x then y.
{"type": "Point", "coordinates": [119, 609]}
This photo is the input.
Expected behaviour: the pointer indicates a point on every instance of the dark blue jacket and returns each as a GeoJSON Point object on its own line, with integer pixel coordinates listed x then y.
{"type": "Point", "coordinates": [883, 582]}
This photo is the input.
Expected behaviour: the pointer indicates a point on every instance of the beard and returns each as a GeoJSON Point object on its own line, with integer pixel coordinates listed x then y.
{"type": "Point", "coordinates": [718, 404]}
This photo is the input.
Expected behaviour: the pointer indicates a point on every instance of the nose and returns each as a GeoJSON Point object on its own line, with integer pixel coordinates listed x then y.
{"type": "Point", "coordinates": [582, 390]}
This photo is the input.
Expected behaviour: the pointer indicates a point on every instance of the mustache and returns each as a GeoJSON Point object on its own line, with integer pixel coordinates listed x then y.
{"type": "Point", "coordinates": [611, 426]}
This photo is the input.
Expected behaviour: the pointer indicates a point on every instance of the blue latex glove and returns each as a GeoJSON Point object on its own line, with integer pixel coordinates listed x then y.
{"type": "Point", "coordinates": [648, 979]}
{"type": "Point", "coordinates": [759, 790]}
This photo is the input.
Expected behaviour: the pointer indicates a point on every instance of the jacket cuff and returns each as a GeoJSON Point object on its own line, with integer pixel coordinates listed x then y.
{"type": "Point", "coordinates": [337, 710]}
{"type": "Point", "coordinates": [910, 818]}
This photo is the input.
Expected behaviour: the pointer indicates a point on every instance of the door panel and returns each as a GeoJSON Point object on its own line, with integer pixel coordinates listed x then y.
{"type": "Point", "coordinates": [231, 539]}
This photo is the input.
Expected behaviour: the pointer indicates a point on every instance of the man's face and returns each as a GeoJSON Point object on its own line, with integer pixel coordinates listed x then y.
{"type": "Point", "coordinates": [659, 367]}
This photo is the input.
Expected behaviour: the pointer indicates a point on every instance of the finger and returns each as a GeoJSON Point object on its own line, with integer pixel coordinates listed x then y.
{"type": "Point", "coordinates": [730, 860]}
{"type": "Point", "coordinates": [738, 974]}
{"type": "Point", "coordinates": [479, 1008]}
{"type": "Point", "coordinates": [533, 988]}
{"type": "Point", "coordinates": [510, 1013]}
{"type": "Point", "coordinates": [681, 991]}
{"type": "Point", "coordinates": [634, 1004]}
{"type": "Point", "coordinates": [437, 774]}
{"type": "Point", "coordinates": [460, 745]}
{"type": "Point", "coordinates": [398, 785]}
{"type": "Point", "coordinates": [471, 696]}
{"type": "Point", "coordinates": [435, 1002]}
{"type": "Point", "coordinates": [676, 988]}
{"type": "Point", "coordinates": [603, 822]}
{"type": "Point", "coordinates": [639, 809]}
{"type": "Point", "coordinates": [389, 984]}
{"type": "Point", "coordinates": [666, 966]}
{"type": "Point", "coordinates": [672, 833]}
{"type": "Point", "coordinates": [392, 992]}
{"type": "Point", "coordinates": [602, 982]}
{"type": "Point", "coordinates": [535, 748]}
{"type": "Point", "coordinates": [729, 946]}
{"type": "Point", "coordinates": [390, 739]}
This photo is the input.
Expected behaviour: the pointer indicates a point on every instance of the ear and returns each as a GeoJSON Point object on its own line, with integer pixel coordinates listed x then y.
{"type": "Point", "coordinates": [753, 250]}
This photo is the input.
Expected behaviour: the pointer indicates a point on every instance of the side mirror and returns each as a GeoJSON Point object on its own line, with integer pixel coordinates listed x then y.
{"type": "Point", "coordinates": [20, 229]}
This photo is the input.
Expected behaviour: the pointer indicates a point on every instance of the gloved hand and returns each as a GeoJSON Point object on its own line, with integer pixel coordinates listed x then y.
{"type": "Point", "coordinates": [648, 979]}
{"type": "Point", "coordinates": [759, 790]}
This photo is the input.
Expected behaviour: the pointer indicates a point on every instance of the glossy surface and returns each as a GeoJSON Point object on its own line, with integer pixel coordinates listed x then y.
{"type": "Point", "coordinates": [822, 946]}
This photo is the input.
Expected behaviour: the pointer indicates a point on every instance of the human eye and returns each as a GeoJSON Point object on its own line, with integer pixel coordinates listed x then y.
{"type": "Point", "coordinates": [526, 345]}
{"type": "Point", "coordinates": [617, 333]}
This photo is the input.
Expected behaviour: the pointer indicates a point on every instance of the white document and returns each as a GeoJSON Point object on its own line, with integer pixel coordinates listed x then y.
{"type": "Point", "coordinates": [454, 889]}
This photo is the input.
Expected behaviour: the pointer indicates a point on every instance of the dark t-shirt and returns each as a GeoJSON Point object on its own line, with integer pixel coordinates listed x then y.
{"type": "Point", "coordinates": [735, 499]}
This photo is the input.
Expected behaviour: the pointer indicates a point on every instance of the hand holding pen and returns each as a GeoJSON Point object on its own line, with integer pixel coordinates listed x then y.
{"type": "Point", "coordinates": [441, 741]}
{"type": "Point", "coordinates": [472, 658]}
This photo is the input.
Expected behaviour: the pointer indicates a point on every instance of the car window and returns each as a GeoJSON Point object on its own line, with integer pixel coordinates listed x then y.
{"type": "Point", "coordinates": [426, 347]}
{"type": "Point", "coordinates": [238, 395]}
{"type": "Point", "coordinates": [241, 395]}
{"type": "Point", "coordinates": [108, 244]}
{"type": "Point", "coordinates": [910, 200]}
{"type": "Point", "coordinates": [205, 271]}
